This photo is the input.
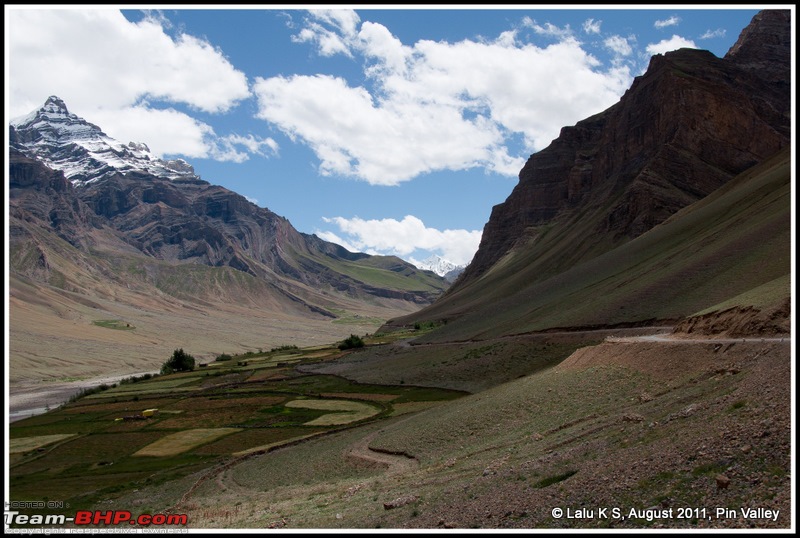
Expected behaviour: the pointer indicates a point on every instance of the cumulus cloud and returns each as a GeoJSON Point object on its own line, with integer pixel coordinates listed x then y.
{"type": "Point", "coordinates": [437, 105]}
{"type": "Point", "coordinates": [64, 51]}
{"type": "Point", "coordinates": [674, 43]}
{"type": "Point", "coordinates": [402, 237]}
{"type": "Point", "coordinates": [672, 21]}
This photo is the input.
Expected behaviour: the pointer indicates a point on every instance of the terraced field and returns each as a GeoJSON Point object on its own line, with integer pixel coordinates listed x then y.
{"type": "Point", "coordinates": [104, 443]}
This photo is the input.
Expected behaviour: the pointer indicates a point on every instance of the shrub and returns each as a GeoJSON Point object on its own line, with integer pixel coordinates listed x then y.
{"type": "Point", "coordinates": [284, 348]}
{"type": "Point", "coordinates": [353, 341]}
{"type": "Point", "coordinates": [223, 357]}
{"type": "Point", "coordinates": [179, 362]}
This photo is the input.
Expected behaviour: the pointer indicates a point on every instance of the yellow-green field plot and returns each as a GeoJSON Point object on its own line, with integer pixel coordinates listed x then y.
{"type": "Point", "coordinates": [26, 444]}
{"type": "Point", "coordinates": [361, 396]}
{"type": "Point", "coordinates": [343, 411]}
{"type": "Point", "coordinates": [179, 442]}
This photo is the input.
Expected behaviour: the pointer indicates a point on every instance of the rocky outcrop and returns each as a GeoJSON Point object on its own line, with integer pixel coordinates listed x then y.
{"type": "Point", "coordinates": [764, 47]}
{"type": "Point", "coordinates": [741, 321]}
{"type": "Point", "coordinates": [688, 125]}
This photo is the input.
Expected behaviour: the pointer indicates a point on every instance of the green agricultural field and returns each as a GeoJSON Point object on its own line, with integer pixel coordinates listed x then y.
{"type": "Point", "coordinates": [26, 444]}
{"type": "Point", "coordinates": [100, 446]}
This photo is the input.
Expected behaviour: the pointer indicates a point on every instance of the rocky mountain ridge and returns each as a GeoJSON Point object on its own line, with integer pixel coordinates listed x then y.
{"type": "Point", "coordinates": [68, 177]}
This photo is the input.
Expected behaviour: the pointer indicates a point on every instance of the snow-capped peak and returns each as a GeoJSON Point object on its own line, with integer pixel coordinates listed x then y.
{"type": "Point", "coordinates": [438, 265]}
{"type": "Point", "coordinates": [66, 142]}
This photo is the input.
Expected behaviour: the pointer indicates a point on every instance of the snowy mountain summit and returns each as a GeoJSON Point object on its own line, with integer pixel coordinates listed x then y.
{"type": "Point", "coordinates": [83, 152]}
{"type": "Point", "coordinates": [441, 267]}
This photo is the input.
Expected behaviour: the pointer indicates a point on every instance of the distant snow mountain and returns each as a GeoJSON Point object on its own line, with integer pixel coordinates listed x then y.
{"type": "Point", "coordinates": [441, 267]}
{"type": "Point", "coordinates": [84, 153]}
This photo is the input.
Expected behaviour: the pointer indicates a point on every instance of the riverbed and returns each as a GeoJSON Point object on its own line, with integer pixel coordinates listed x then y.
{"type": "Point", "coordinates": [27, 399]}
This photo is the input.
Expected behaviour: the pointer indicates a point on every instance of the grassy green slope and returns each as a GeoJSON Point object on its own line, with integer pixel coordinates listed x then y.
{"type": "Point", "coordinates": [736, 239]}
{"type": "Point", "coordinates": [387, 272]}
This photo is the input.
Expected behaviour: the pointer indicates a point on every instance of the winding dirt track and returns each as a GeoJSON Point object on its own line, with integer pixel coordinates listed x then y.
{"type": "Point", "coordinates": [665, 337]}
{"type": "Point", "coordinates": [394, 463]}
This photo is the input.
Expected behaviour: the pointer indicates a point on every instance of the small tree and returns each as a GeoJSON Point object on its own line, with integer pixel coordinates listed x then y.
{"type": "Point", "coordinates": [179, 362]}
{"type": "Point", "coordinates": [353, 341]}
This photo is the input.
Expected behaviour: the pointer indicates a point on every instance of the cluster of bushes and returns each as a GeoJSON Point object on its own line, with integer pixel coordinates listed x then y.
{"type": "Point", "coordinates": [426, 325]}
{"type": "Point", "coordinates": [136, 379]}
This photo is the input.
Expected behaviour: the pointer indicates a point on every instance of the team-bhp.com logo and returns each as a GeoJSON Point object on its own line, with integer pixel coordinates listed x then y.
{"type": "Point", "coordinates": [96, 518]}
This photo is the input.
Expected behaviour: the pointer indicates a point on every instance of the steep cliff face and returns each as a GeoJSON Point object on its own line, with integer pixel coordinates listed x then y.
{"type": "Point", "coordinates": [687, 126]}
{"type": "Point", "coordinates": [43, 196]}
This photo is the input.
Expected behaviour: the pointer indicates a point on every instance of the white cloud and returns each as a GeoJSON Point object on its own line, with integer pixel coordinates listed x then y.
{"type": "Point", "coordinates": [591, 26]}
{"type": "Point", "coordinates": [402, 237]}
{"type": "Point", "coordinates": [387, 50]}
{"type": "Point", "coordinates": [180, 133]}
{"type": "Point", "coordinates": [345, 20]}
{"type": "Point", "coordinates": [710, 34]}
{"type": "Point", "coordinates": [384, 143]}
{"type": "Point", "coordinates": [548, 29]}
{"type": "Point", "coordinates": [507, 38]}
{"type": "Point", "coordinates": [330, 41]}
{"type": "Point", "coordinates": [128, 66]}
{"type": "Point", "coordinates": [224, 149]}
{"type": "Point", "coordinates": [618, 45]}
{"type": "Point", "coordinates": [672, 21]}
{"type": "Point", "coordinates": [438, 105]}
{"type": "Point", "coordinates": [333, 238]}
{"type": "Point", "coordinates": [674, 43]}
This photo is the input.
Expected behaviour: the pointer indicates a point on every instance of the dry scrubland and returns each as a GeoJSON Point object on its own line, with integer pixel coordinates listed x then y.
{"type": "Point", "coordinates": [62, 342]}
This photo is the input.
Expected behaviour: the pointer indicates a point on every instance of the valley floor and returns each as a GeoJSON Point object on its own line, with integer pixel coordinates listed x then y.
{"type": "Point", "coordinates": [627, 434]}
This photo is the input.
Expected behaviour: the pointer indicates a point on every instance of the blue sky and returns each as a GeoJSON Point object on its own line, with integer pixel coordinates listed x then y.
{"type": "Point", "coordinates": [389, 131]}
